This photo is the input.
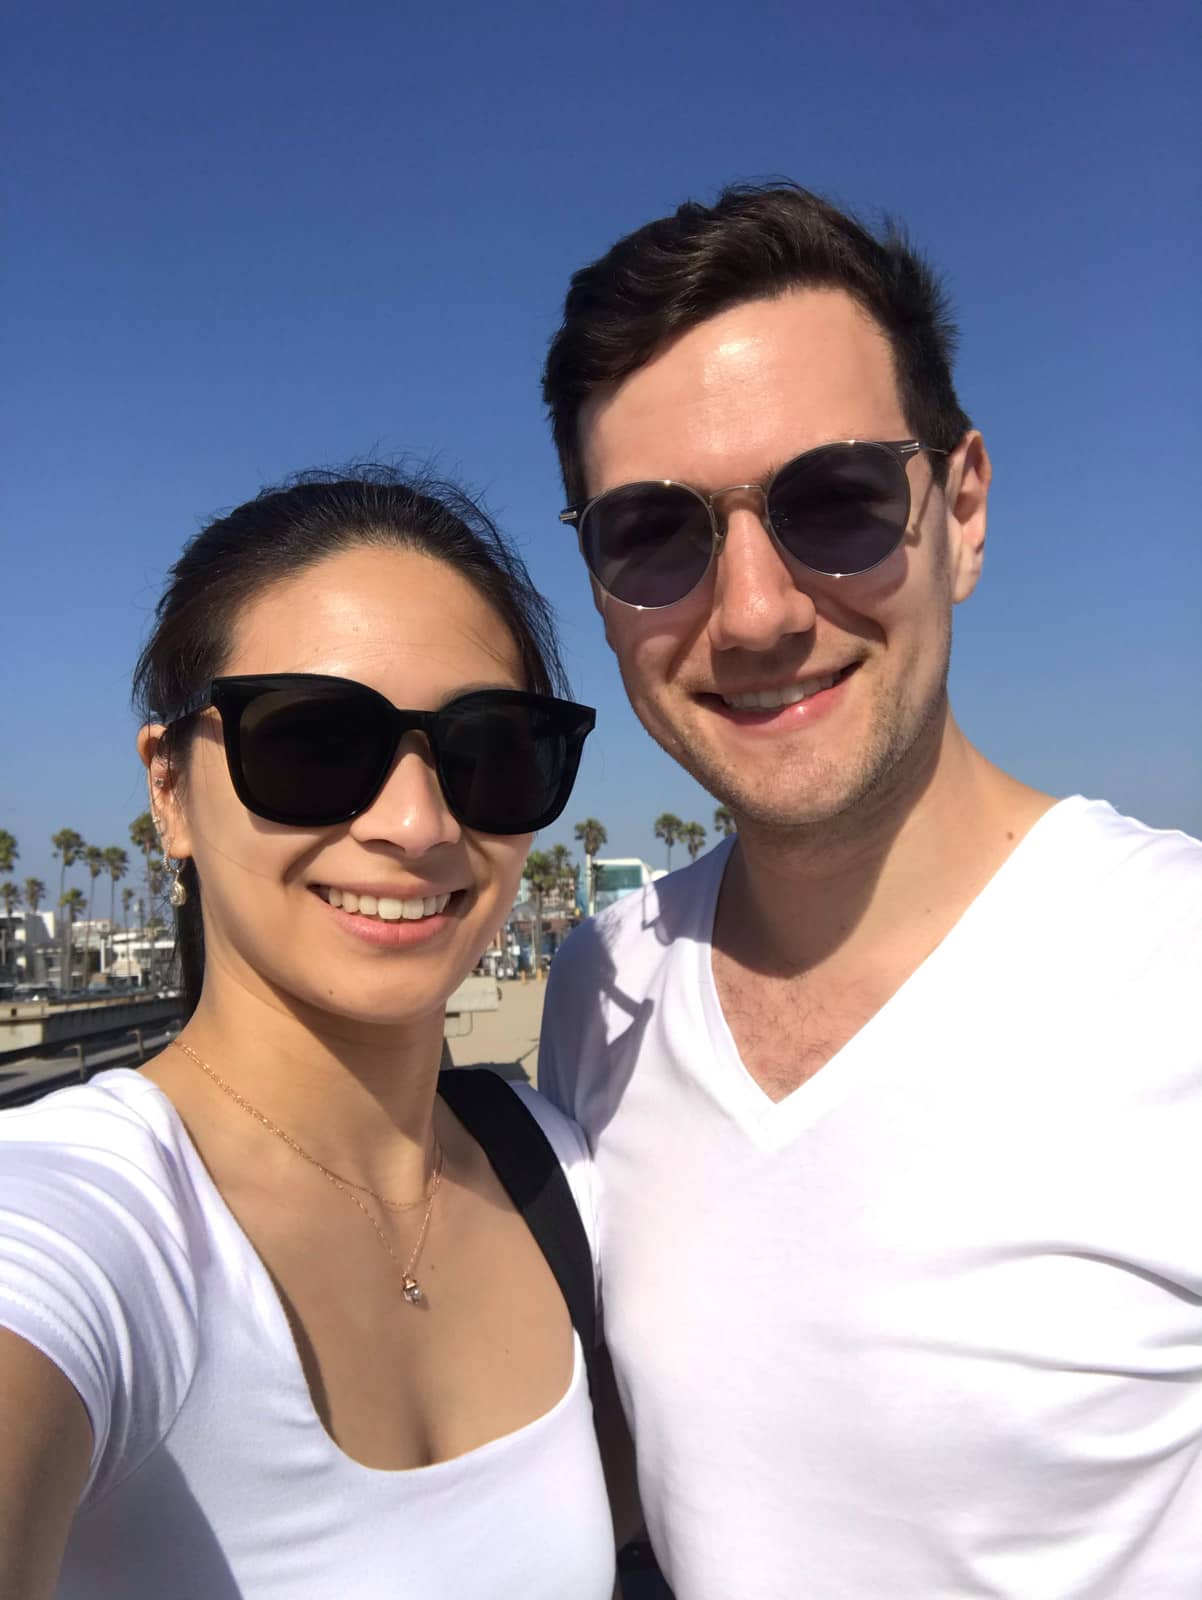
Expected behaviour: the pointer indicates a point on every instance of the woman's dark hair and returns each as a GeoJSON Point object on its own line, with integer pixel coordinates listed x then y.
{"type": "Point", "coordinates": [757, 241]}
{"type": "Point", "coordinates": [276, 536]}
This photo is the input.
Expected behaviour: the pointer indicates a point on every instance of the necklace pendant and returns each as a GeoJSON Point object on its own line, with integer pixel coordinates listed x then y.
{"type": "Point", "coordinates": [411, 1290]}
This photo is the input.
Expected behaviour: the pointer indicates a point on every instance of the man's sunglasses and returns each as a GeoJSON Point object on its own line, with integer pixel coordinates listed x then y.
{"type": "Point", "coordinates": [839, 510]}
{"type": "Point", "coordinates": [310, 750]}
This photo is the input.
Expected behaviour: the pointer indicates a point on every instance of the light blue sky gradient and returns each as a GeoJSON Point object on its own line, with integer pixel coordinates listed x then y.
{"type": "Point", "coordinates": [252, 238]}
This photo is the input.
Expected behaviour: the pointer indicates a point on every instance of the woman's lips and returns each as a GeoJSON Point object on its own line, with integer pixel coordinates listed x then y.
{"type": "Point", "coordinates": [395, 932]}
{"type": "Point", "coordinates": [388, 908]}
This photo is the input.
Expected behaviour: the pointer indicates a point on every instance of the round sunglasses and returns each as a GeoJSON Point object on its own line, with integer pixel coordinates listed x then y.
{"type": "Point", "coordinates": [310, 750]}
{"type": "Point", "coordinates": [839, 510]}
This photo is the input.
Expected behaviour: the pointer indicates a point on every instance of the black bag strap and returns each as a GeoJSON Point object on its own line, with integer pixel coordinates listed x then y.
{"type": "Point", "coordinates": [522, 1158]}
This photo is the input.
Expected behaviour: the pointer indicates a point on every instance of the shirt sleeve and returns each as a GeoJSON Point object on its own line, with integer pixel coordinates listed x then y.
{"type": "Point", "coordinates": [558, 1041]}
{"type": "Point", "coordinates": [95, 1271]}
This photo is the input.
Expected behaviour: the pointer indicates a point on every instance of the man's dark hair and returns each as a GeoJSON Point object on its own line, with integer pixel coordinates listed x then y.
{"type": "Point", "coordinates": [757, 241]}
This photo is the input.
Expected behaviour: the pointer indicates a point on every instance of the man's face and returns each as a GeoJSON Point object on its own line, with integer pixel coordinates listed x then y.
{"type": "Point", "coordinates": [729, 402]}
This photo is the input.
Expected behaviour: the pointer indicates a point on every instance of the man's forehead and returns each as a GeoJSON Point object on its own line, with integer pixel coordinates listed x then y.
{"type": "Point", "coordinates": [762, 376]}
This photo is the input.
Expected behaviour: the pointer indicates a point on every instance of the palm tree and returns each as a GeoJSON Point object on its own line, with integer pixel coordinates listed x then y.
{"type": "Point", "coordinates": [35, 893]}
{"type": "Point", "coordinates": [127, 899]}
{"type": "Point", "coordinates": [566, 869]}
{"type": "Point", "coordinates": [93, 859]}
{"type": "Point", "coordinates": [67, 845]}
{"type": "Point", "coordinates": [8, 857]}
{"type": "Point", "coordinates": [724, 822]}
{"type": "Point", "coordinates": [155, 878]}
{"type": "Point", "coordinates": [71, 903]}
{"type": "Point", "coordinates": [543, 877]}
{"type": "Point", "coordinates": [154, 927]}
{"type": "Point", "coordinates": [591, 837]}
{"type": "Point", "coordinates": [693, 835]}
{"type": "Point", "coordinates": [144, 837]}
{"type": "Point", "coordinates": [116, 864]}
{"type": "Point", "coordinates": [10, 895]}
{"type": "Point", "coordinates": [667, 828]}
{"type": "Point", "coordinates": [9, 892]}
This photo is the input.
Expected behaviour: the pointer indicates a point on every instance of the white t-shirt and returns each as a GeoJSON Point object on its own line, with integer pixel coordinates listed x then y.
{"type": "Point", "coordinates": [930, 1327]}
{"type": "Point", "coordinates": [212, 1477]}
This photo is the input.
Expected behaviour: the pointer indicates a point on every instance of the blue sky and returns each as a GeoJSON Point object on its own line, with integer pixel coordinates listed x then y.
{"type": "Point", "coordinates": [246, 239]}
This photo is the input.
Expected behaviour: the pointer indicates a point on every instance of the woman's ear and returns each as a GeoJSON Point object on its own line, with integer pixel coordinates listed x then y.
{"type": "Point", "coordinates": [162, 783]}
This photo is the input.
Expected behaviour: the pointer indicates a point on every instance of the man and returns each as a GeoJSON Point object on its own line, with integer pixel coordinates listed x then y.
{"type": "Point", "coordinates": [895, 1098]}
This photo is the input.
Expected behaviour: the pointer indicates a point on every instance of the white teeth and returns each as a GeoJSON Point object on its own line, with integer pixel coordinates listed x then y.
{"type": "Point", "coordinates": [770, 699]}
{"type": "Point", "coordinates": [384, 906]}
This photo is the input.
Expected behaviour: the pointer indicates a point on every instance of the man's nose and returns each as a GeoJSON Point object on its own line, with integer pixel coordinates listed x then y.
{"type": "Point", "coordinates": [759, 596]}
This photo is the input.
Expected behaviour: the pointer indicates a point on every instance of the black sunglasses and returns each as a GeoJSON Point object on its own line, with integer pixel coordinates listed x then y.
{"type": "Point", "coordinates": [310, 750]}
{"type": "Point", "coordinates": [839, 510]}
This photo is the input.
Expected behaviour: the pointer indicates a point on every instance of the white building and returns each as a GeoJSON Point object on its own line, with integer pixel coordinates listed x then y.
{"type": "Point", "coordinates": [617, 876]}
{"type": "Point", "coordinates": [28, 943]}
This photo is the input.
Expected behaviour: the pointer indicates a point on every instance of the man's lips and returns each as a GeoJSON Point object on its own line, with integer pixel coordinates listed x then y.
{"type": "Point", "coordinates": [774, 697]}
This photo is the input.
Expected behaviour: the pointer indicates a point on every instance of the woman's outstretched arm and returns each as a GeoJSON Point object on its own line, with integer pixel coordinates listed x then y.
{"type": "Point", "coordinates": [45, 1451]}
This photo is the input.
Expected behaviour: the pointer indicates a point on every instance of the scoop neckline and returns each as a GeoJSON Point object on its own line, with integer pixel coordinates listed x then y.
{"type": "Point", "coordinates": [281, 1329]}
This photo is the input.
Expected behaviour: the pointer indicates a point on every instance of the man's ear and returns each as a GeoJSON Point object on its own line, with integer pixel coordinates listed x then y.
{"type": "Point", "coordinates": [162, 784]}
{"type": "Point", "coordinates": [966, 496]}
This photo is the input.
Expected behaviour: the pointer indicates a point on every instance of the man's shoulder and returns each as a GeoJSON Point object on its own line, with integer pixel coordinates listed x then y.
{"type": "Point", "coordinates": [645, 925]}
{"type": "Point", "coordinates": [1119, 900]}
{"type": "Point", "coordinates": [1129, 857]}
{"type": "Point", "coordinates": [602, 980]}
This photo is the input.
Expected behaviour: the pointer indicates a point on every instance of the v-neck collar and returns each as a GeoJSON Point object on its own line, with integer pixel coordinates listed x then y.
{"type": "Point", "coordinates": [774, 1123]}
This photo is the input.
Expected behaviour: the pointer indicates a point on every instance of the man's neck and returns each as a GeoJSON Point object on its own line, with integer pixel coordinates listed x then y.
{"type": "Point", "coordinates": [888, 877]}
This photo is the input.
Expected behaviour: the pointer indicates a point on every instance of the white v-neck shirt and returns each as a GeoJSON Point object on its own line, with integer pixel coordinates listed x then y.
{"type": "Point", "coordinates": [930, 1327]}
{"type": "Point", "coordinates": [212, 1477]}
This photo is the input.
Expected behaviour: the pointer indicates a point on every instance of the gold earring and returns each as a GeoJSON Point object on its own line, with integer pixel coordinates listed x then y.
{"type": "Point", "coordinates": [177, 894]}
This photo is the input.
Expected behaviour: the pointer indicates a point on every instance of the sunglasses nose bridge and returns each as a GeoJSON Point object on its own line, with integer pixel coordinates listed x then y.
{"type": "Point", "coordinates": [409, 806]}
{"type": "Point", "coordinates": [721, 523]}
{"type": "Point", "coordinates": [423, 724]}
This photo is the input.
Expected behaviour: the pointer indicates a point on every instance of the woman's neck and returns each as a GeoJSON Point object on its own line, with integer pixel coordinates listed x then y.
{"type": "Point", "coordinates": [359, 1098]}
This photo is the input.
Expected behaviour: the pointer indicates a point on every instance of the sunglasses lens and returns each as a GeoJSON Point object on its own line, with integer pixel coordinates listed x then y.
{"type": "Point", "coordinates": [312, 751]}
{"type": "Point", "coordinates": [313, 754]}
{"type": "Point", "coordinates": [648, 544]}
{"type": "Point", "coordinates": [841, 509]}
{"type": "Point", "coordinates": [507, 761]}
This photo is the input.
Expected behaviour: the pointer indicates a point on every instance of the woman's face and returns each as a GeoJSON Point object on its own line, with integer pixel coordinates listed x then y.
{"type": "Point", "coordinates": [411, 628]}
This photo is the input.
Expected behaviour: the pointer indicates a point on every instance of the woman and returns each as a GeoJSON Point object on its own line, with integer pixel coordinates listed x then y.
{"type": "Point", "coordinates": [270, 1324]}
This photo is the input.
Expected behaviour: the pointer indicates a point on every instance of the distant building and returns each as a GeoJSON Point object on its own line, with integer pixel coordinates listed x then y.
{"type": "Point", "coordinates": [618, 876]}
{"type": "Point", "coordinates": [141, 955]}
{"type": "Point", "coordinates": [28, 942]}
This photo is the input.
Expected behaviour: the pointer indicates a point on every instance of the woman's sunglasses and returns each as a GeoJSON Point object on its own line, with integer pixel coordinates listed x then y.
{"type": "Point", "coordinates": [309, 750]}
{"type": "Point", "coordinates": [839, 510]}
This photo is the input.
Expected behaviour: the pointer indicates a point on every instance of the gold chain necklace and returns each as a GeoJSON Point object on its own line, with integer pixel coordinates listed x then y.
{"type": "Point", "coordinates": [410, 1289]}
